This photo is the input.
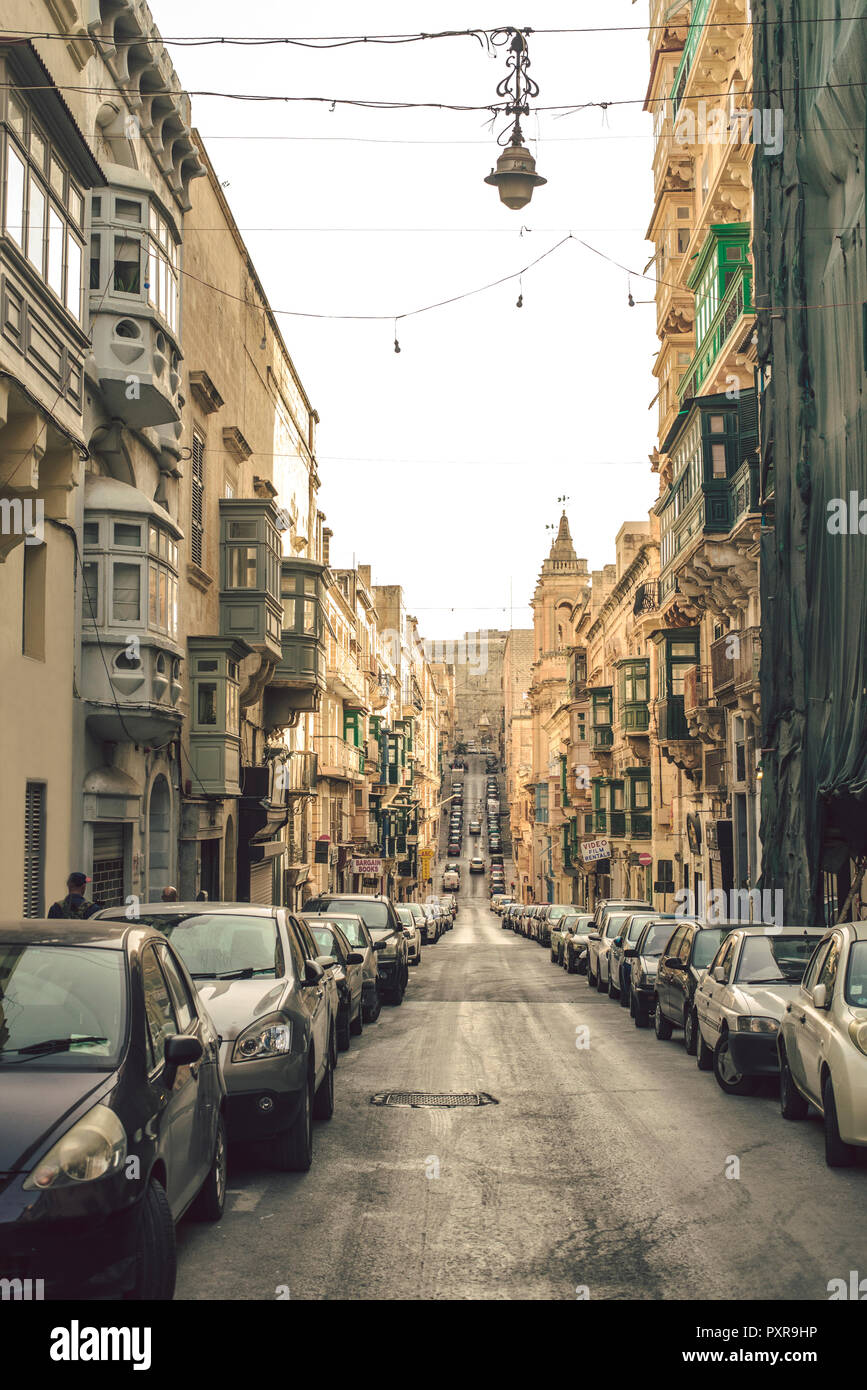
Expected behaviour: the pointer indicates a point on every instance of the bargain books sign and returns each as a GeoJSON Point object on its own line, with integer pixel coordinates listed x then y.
{"type": "Point", "coordinates": [371, 868]}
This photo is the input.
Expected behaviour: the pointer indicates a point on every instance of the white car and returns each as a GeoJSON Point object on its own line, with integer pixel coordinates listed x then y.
{"type": "Point", "coordinates": [823, 1043]}
{"type": "Point", "coordinates": [740, 1003]}
{"type": "Point", "coordinates": [451, 881]}
{"type": "Point", "coordinates": [475, 827]}
{"type": "Point", "coordinates": [411, 931]}
{"type": "Point", "coordinates": [598, 948]}
{"type": "Point", "coordinates": [477, 864]}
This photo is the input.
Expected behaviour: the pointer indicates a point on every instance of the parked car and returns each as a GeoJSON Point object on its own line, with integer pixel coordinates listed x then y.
{"type": "Point", "coordinates": [454, 848]}
{"type": "Point", "coordinates": [576, 928]}
{"type": "Point", "coordinates": [412, 931]}
{"type": "Point", "coordinates": [823, 1043]}
{"type": "Point", "coordinates": [740, 1002]}
{"type": "Point", "coordinates": [477, 864]}
{"type": "Point", "coordinates": [256, 972]}
{"type": "Point", "coordinates": [557, 933]}
{"type": "Point", "coordinates": [552, 913]}
{"type": "Point", "coordinates": [608, 905]}
{"type": "Point", "coordinates": [619, 967]}
{"type": "Point", "coordinates": [360, 940]}
{"type": "Point", "coordinates": [107, 1055]}
{"type": "Point", "coordinates": [599, 946]}
{"type": "Point", "coordinates": [350, 978]}
{"type": "Point", "coordinates": [445, 917]}
{"type": "Point", "coordinates": [381, 920]}
{"type": "Point", "coordinates": [643, 959]}
{"type": "Point", "coordinates": [431, 932]}
{"type": "Point", "coordinates": [682, 966]}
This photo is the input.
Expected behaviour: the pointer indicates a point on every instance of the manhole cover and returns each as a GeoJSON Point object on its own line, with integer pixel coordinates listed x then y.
{"type": "Point", "coordinates": [445, 1100]}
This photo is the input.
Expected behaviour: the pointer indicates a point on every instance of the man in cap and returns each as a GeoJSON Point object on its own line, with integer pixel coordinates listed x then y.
{"type": "Point", "coordinates": [75, 904]}
{"type": "Point", "coordinates": [170, 894]}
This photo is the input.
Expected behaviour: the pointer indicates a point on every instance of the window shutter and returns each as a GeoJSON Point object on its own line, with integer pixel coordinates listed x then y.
{"type": "Point", "coordinates": [34, 850]}
{"type": "Point", "coordinates": [198, 493]}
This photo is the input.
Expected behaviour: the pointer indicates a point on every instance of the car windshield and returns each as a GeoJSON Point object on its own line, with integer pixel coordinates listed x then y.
{"type": "Point", "coordinates": [372, 911]}
{"type": "Point", "coordinates": [636, 927]}
{"type": "Point", "coordinates": [351, 928]}
{"type": "Point", "coordinates": [405, 916]}
{"type": "Point", "coordinates": [707, 943]}
{"type": "Point", "coordinates": [658, 935]}
{"type": "Point", "coordinates": [856, 976]}
{"type": "Point", "coordinates": [615, 922]}
{"type": "Point", "coordinates": [774, 959]}
{"type": "Point", "coordinates": [223, 945]}
{"type": "Point", "coordinates": [325, 940]}
{"type": "Point", "coordinates": [62, 1008]}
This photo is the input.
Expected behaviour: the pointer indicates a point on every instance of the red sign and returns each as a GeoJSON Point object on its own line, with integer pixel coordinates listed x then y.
{"type": "Point", "coordinates": [645, 859]}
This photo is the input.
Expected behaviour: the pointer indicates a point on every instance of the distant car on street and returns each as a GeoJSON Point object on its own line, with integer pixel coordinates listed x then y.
{"type": "Point", "coordinates": [477, 864]}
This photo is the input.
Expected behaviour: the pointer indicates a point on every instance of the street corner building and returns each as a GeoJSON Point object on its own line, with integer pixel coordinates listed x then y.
{"type": "Point", "coordinates": [192, 697]}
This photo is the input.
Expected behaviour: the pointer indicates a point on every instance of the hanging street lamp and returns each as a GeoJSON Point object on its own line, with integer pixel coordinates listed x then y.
{"type": "Point", "coordinates": [515, 176]}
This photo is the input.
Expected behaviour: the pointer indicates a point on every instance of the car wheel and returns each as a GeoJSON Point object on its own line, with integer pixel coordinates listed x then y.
{"type": "Point", "coordinates": [590, 980]}
{"type": "Point", "coordinates": [703, 1053]}
{"type": "Point", "coordinates": [396, 995]}
{"type": "Point", "coordinates": [371, 1015]}
{"type": "Point", "coordinates": [729, 1079]}
{"type": "Point", "coordinates": [323, 1101]}
{"type": "Point", "coordinates": [640, 1016]}
{"type": "Point", "coordinates": [554, 960]}
{"type": "Point", "coordinates": [571, 965]}
{"type": "Point", "coordinates": [209, 1204]}
{"type": "Point", "coordinates": [793, 1106]}
{"type": "Point", "coordinates": [356, 1027]}
{"type": "Point", "coordinates": [344, 1028]}
{"type": "Point", "coordinates": [292, 1149]}
{"type": "Point", "coordinates": [661, 1026]}
{"type": "Point", "coordinates": [690, 1031]}
{"type": "Point", "coordinates": [156, 1253]}
{"type": "Point", "coordinates": [600, 983]}
{"type": "Point", "coordinates": [613, 991]}
{"type": "Point", "coordinates": [838, 1154]}
{"type": "Point", "coordinates": [624, 998]}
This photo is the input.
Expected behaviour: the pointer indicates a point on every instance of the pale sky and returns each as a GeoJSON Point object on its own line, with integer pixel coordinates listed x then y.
{"type": "Point", "coordinates": [441, 466]}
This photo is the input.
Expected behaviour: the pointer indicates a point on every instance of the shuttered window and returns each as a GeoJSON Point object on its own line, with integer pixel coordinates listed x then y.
{"type": "Point", "coordinates": [34, 850]}
{"type": "Point", "coordinates": [198, 500]}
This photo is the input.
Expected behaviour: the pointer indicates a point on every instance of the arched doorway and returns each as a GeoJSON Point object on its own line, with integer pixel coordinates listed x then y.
{"type": "Point", "coordinates": [159, 838]}
{"type": "Point", "coordinates": [230, 853]}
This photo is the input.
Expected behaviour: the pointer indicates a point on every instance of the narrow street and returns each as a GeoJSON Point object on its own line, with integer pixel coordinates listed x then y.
{"type": "Point", "coordinates": [602, 1167]}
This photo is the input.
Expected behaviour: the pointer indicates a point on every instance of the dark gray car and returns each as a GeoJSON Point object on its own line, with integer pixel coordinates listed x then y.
{"type": "Point", "coordinates": [381, 919]}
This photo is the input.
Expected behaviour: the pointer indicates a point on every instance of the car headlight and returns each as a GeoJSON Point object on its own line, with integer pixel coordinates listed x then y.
{"type": "Point", "coordinates": [262, 1040]}
{"type": "Point", "coordinates": [93, 1148]}
{"type": "Point", "coordinates": [858, 1034]}
{"type": "Point", "coordinates": [752, 1024]}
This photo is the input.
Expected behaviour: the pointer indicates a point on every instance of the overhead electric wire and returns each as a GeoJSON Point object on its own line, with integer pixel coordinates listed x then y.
{"type": "Point", "coordinates": [325, 42]}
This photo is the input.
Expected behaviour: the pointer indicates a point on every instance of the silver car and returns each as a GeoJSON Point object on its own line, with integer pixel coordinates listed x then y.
{"type": "Point", "coordinates": [412, 931]}
{"type": "Point", "coordinates": [349, 973]}
{"type": "Point", "coordinates": [256, 970]}
{"type": "Point", "coordinates": [359, 938]}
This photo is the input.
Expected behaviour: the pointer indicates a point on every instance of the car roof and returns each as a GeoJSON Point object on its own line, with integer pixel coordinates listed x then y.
{"type": "Point", "coordinates": [161, 909]}
{"type": "Point", "coordinates": [67, 931]}
{"type": "Point", "coordinates": [338, 916]}
{"type": "Point", "coordinates": [767, 929]}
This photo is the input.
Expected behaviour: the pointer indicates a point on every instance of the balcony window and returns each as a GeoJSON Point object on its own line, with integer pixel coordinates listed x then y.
{"type": "Point", "coordinates": [162, 268]}
{"type": "Point", "coordinates": [678, 650]}
{"type": "Point", "coordinates": [126, 593]}
{"type": "Point", "coordinates": [43, 206]}
{"type": "Point", "coordinates": [127, 266]}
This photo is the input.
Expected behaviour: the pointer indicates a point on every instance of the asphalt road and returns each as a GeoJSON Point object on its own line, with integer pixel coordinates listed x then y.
{"type": "Point", "coordinates": [603, 1167]}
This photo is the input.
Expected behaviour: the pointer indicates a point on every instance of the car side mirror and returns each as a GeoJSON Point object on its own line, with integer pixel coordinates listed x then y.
{"type": "Point", "coordinates": [820, 997]}
{"type": "Point", "coordinates": [673, 962]}
{"type": "Point", "coordinates": [629, 955]}
{"type": "Point", "coordinates": [181, 1050]}
{"type": "Point", "coordinates": [618, 941]}
{"type": "Point", "coordinates": [379, 945]}
{"type": "Point", "coordinates": [326, 962]}
{"type": "Point", "coordinates": [719, 975]}
{"type": "Point", "coordinates": [313, 973]}
{"type": "Point", "coordinates": [594, 936]}
{"type": "Point", "coordinates": [355, 958]}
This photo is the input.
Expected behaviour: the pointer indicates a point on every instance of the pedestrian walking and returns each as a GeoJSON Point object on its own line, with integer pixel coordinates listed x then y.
{"type": "Point", "coordinates": [169, 894]}
{"type": "Point", "coordinates": [75, 904]}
